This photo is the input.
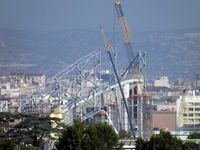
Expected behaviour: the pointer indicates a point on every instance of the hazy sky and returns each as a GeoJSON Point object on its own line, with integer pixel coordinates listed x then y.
{"type": "Point", "coordinates": [142, 15]}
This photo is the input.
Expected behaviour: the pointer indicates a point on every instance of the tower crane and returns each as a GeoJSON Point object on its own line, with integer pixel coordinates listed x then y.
{"type": "Point", "coordinates": [136, 62]}
{"type": "Point", "coordinates": [134, 70]}
{"type": "Point", "coordinates": [124, 28]}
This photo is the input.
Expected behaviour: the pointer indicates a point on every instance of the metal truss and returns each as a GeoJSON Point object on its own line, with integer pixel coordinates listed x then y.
{"type": "Point", "coordinates": [81, 92]}
{"type": "Point", "coordinates": [78, 89]}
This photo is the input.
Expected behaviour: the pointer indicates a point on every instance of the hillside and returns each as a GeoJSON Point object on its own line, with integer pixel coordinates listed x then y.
{"type": "Point", "coordinates": [175, 54]}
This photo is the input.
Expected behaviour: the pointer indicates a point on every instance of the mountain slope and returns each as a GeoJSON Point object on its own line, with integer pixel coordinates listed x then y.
{"type": "Point", "coordinates": [173, 54]}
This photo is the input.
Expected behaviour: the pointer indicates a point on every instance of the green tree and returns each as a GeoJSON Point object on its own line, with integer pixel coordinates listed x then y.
{"type": "Point", "coordinates": [191, 146]}
{"type": "Point", "coordinates": [26, 129]}
{"type": "Point", "coordinates": [141, 144]}
{"type": "Point", "coordinates": [99, 136]}
{"type": "Point", "coordinates": [162, 141]}
{"type": "Point", "coordinates": [194, 135]}
{"type": "Point", "coordinates": [123, 134]}
{"type": "Point", "coordinates": [9, 145]}
{"type": "Point", "coordinates": [71, 137]}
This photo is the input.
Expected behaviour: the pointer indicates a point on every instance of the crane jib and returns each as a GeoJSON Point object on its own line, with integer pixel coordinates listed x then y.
{"type": "Point", "coordinates": [119, 10]}
{"type": "Point", "coordinates": [125, 31]}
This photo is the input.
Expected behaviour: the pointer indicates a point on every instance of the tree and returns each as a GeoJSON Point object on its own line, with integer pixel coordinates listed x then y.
{"type": "Point", "coordinates": [162, 141]}
{"type": "Point", "coordinates": [9, 145]}
{"type": "Point", "coordinates": [93, 137]}
{"type": "Point", "coordinates": [141, 144]}
{"type": "Point", "coordinates": [123, 134]}
{"type": "Point", "coordinates": [26, 129]}
{"type": "Point", "coordinates": [101, 136]}
{"type": "Point", "coordinates": [191, 146]}
{"type": "Point", "coordinates": [194, 135]}
{"type": "Point", "coordinates": [71, 137]}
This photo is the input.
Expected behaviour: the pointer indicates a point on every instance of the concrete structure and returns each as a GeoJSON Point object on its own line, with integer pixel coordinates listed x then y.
{"type": "Point", "coordinates": [166, 107]}
{"type": "Point", "coordinates": [165, 120]}
{"type": "Point", "coordinates": [188, 110]}
{"type": "Point", "coordinates": [162, 82]}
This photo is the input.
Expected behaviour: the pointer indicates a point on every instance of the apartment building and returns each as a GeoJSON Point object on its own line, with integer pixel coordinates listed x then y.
{"type": "Point", "coordinates": [188, 109]}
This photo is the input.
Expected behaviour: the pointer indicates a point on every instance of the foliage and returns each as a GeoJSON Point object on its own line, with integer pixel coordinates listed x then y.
{"type": "Point", "coordinates": [194, 135]}
{"type": "Point", "coordinates": [25, 129]}
{"type": "Point", "coordinates": [123, 134]}
{"type": "Point", "coordinates": [9, 145]}
{"type": "Point", "coordinates": [93, 137]}
{"type": "Point", "coordinates": [162, 141]}
{"type": "Point", "coordinates": [191, 146]}
{"type": "Point", "coordinates": [141, 144]}
{"type": "Point", "coordinates": [71, 137]}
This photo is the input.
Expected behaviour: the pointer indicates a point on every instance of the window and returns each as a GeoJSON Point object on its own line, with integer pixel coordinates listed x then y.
{"type": "Point", "coordinates": [197, 109]}
{"type": "Point", "coordinates": [190, 109]}
{"type": "Point", "coordinates": [191, 114]}
{"type": "Point", "coordinates": [3, 87]}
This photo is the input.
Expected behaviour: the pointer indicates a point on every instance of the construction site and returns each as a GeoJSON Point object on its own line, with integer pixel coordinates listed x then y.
{"type": "Point", "coordinates": [81, 90]}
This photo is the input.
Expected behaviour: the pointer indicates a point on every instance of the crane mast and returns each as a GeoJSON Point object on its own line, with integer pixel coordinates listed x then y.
{"type": "Point", "coordinates": [136, 64]}
{"type": "Point", "coordinates": [137, 101]}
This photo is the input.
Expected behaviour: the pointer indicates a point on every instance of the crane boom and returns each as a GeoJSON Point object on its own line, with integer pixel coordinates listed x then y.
{"type": "Point", "coordinates": [106, 43]}
{"type": "Point", "coordinates": [125, 30]}
{"type": "Point", "coordinates": [109, 50]}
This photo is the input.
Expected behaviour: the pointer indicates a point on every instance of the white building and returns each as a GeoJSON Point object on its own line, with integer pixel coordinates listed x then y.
{"type": "Point", "coordinates": [3, 105]}
{"type": "Point", "coordinates": [24, 79]}
{"type": "Point", "coordinates": [188, 110]}
{"type": "Point", "coordinates": [4, 86]}
{"type": "Point", "coordinates": [162, 82]}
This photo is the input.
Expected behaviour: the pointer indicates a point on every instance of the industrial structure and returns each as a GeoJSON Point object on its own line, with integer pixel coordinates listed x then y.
{"type": "Point", "coordinates": [81, 91]}
{"type": "Point", "coordinates": [138, 104]}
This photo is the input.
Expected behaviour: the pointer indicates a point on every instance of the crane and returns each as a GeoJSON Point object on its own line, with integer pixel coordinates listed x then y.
{"type": "Point", "coordinates": [125, 30]}
{"type": "Point", "coordinates": [136, 62]}
{"type": "Point", "coordinates": [109, 50]}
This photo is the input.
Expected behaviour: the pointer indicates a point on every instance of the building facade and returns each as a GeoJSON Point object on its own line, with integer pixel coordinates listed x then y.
{"type": "Point", "coordinates": [165, 120]}
{"type": "Point", "coordinates": [162, 82]}
{"type": "Point", "coordinates": [188, 110]}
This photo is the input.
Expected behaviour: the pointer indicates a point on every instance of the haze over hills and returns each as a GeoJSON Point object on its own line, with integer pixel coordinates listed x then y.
{"type": "Point", "coordinates": [175, 54]}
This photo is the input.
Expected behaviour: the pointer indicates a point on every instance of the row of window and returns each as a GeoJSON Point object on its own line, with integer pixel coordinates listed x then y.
{"type": "Point", "coordinates": [192, 109]}
{"type": "Point", "coordinates": [193, 104]}
{"type": "Point", "coordinates": [192, 120]}
{"type": "Point", "coordinates": [191, 114]}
